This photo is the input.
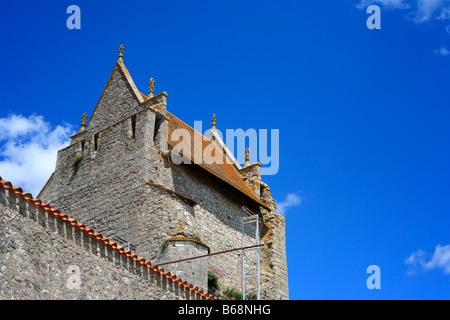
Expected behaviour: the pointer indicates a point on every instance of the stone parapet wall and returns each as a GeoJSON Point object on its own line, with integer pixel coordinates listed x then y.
{"type": "Point", "coordinates": [46, 255]}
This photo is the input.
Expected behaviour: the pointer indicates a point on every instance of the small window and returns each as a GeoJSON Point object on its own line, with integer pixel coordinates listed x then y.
{"type": "Point", "coordinates": [157, 126]}
{"type": "Point", "coordinates": [133, 127]}
{"type": "Point", "coordinates": [82, 146]}
{"type": "Point", "coordinates": [95, 142]}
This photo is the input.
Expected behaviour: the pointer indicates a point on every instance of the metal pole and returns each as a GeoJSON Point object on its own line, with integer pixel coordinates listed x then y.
{"type": "Point", "coordinates": [258, 294]}
{"type": "Point", "coordinates": [254, 218]}
{"type": "Point", "coordinates": [243, 261]}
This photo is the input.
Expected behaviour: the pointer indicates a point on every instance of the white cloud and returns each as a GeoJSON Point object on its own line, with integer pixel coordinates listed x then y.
{"type": "Point", "coordinates": [420, 11]}
{"type": "Point", "coordinates": [426, 9]}
{"type": "Point", "coordinates": [291, 200]}
{"type": "Point", "coordinates": [442, 52]}
{"type": "Point", "coordinates": [444, 14]}
{"type": "Point", "coordinates": [390, 4]}
{"type": "Point", "coordinates": [440, 259]}
{"type": "Point", "coordinates": [28, 149]}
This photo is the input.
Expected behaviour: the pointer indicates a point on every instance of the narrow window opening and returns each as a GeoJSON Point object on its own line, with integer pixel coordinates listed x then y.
{"type": "Point", "coordinates": [82, 146]}
{"type": "Point", "coordinates": [133, 127]}
{"type": "Point", "coordinates": [95, 142]}
{"type": "Point", "coordinates": [157, 126]}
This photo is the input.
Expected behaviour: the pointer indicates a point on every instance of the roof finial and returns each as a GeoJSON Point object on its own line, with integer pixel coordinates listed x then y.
{"type": "Point", "coordinates": [214, 121]}
{"type": "Point", "coordinates": [121, 50]}
{"type": "Point", "coordinates": [247, 157]}
{"type": "Point", "coordinates": [151, 89]}
{"type": "Point", "coordinates": [83, 122]}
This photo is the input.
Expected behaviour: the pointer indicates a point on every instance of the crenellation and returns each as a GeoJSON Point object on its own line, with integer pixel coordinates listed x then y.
{"type": "Point", "coordinates": [51, 221]}
{"type": "Point", "coordinates": [61, 228]}
{"type": "Point", "coordinates": [86, 239]}
{"type": "Point", "coordinates": [69, 233]}
{"type": "Point", "coordinates": [23, 208]}
{"type": "Point", "coordinates": [117, 259]}
{"type": "Point", "coordinates": [11, 199]}
{"type": "Point", "coordinates": [4, 196]}
{"type": "Point", "coordinates": [78, 237]}
{"type": "Point", "coordinates": [41, 217]}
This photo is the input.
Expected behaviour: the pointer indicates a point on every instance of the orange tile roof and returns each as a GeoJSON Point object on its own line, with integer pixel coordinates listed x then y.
{"type": "Point", "coordinates": [225, 171]}
{"type": "Point", "coordinates": [98, 236]}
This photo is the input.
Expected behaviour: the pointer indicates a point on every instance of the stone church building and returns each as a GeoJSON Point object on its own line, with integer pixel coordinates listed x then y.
{"type": "Point", "coordinates": [117, 207]}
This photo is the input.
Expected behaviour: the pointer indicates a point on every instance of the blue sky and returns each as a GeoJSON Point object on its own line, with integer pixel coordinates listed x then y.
{"type": "Point", "coordinates": [363, 116]}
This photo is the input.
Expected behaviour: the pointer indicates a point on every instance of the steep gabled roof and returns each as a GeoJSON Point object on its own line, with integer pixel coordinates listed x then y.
{"type": "Point", "coordinates": [129, 87]}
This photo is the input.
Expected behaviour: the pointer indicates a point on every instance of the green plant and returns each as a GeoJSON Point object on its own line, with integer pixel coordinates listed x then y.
{"type": "Point", "coordinates": [213, 280]}
{"type": "Point", "coordinates": [164, 245]}
{"type": "Point", "coordinates": [196, 237]}
{"type": "Point", "coordinates": [236, 294]}
{"type": "Point", "coordinates": [250, 296]}
{"type": "Point", "coordinates": [77, 162]}
{"type": "Point", "coordinates": [231, 294]}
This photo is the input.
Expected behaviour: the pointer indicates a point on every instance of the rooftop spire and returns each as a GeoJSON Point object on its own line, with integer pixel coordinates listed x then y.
{"type": "Point", "coordinates": [151, 89]}
{"type": "Point", "coordinates": [121, 50]}
{"type": "Point", "coordinates": [83, 122]}
{"type": "Point", "coordinates": [247, 157]}
{"type": "Point", "coordinates": [214, 121]}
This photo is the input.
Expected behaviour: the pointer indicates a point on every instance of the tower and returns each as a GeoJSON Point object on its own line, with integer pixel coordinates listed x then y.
{"type": "Point", "coordinates": [118, 176]}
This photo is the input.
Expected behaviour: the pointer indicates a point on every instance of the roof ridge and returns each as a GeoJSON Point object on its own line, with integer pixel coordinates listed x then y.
{"type": "Point", "coordinates": [223, 151]}
{"type": "Point", "coordinates": [189, 126]}
{"type": "Point", "coordinates": [232, 177]}
{"type": "Point", "coordinates": [98, 236]}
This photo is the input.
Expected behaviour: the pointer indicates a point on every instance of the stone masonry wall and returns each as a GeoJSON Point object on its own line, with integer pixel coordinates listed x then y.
{"type": "Point", "coordinates": [43, 257]}
{"type": "Point", "coordinates": [117, 101]}
{"type": "Point", "coordinates": [108, 193]}
{"type": "Point", "coordinates": [218, 218]}
{"type": "Point", "coordinates": [115, 190]}
{"type": "Point", "coordinates": [195, 270]}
